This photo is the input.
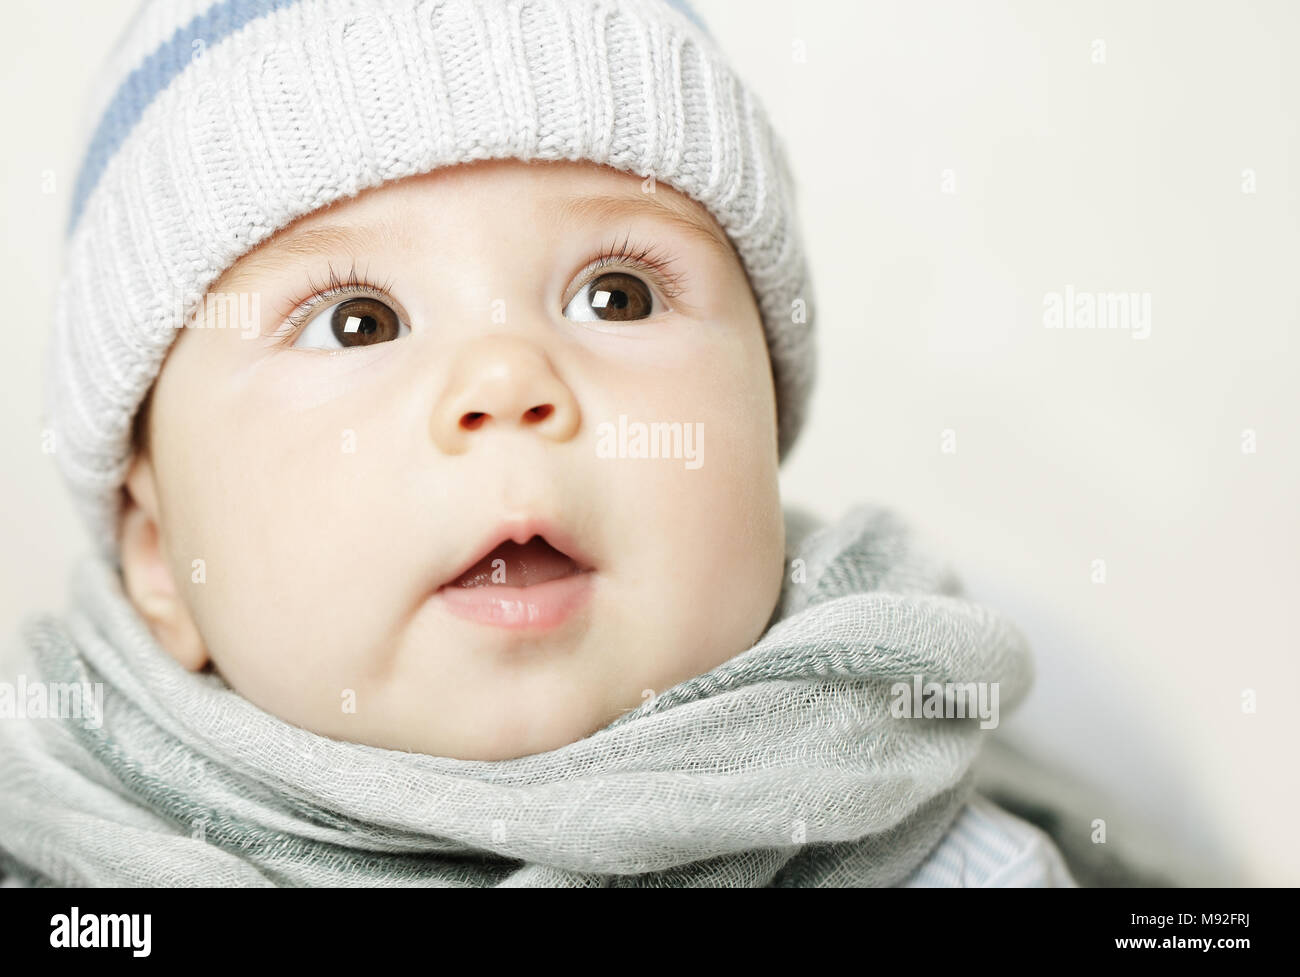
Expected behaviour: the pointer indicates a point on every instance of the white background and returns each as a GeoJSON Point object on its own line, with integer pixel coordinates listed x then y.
{"type": "Point", "coordinates": [1072, 446]}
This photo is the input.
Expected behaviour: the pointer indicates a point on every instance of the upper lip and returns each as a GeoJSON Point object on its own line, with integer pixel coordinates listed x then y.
{"type": "Point", "coordinates": [521, 530]}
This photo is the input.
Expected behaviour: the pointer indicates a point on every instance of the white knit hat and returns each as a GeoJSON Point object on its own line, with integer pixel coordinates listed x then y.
{"type": "Point", "coordinates": [217, 122]}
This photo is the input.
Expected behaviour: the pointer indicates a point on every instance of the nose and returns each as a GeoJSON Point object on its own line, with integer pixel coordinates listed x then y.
{"type": "Point", "coordinates": [502, 382]}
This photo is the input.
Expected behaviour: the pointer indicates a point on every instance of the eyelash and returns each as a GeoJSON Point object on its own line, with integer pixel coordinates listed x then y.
{"type": "Point", "coordinates": [299, 313]}
{"type": "Point", "coordinates": [650, 259]}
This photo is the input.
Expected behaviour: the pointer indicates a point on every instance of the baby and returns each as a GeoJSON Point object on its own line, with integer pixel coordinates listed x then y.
{"type": "Point", "coordinates": [424, 372]}
{"type": "Point", "coordinates": [415, 509]}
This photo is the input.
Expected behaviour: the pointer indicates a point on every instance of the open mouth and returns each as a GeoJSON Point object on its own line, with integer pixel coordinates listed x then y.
{"type": "Point", "coordinates": [533, 585]}
{"type": "Point", "coordinates": [511, 564]}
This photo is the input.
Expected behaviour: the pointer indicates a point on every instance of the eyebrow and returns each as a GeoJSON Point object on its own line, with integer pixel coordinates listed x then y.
{"type": "Point", "coordinates": [311, 241]}
{"type": "Point", "coordinates": [682, 216]}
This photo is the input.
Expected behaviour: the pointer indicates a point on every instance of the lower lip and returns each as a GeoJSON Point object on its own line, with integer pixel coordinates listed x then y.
{"type": "Point", "coordinates": [538, 608]}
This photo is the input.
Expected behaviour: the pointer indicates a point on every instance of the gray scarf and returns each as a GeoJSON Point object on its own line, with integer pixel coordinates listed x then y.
{"type": "Point", "coordinates": [783, 766]}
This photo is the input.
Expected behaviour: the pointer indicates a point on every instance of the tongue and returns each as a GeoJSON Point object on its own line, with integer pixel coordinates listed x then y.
{"type": "Point", "coordinates": [536, 561]}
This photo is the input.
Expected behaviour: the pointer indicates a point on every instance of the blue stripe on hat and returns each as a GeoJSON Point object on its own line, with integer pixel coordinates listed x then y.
{"type": "Point", "coordinates": [144, 83]}
{"type": "Point", "coordinates": [158, 70]}
{"type": "Point", "coordinates": [689, 11]}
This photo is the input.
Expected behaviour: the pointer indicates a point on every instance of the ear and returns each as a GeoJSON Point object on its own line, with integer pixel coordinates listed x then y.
{"type": "Point", "coordinates": [148, 578]}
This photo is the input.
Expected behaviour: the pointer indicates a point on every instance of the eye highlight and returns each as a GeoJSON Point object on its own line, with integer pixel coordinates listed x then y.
{"type": "Point", "coordinates": [366, 315]}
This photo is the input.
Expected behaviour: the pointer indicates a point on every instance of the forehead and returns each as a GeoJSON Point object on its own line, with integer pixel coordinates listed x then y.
{"type": "Point", "coordinates": [554, 194]}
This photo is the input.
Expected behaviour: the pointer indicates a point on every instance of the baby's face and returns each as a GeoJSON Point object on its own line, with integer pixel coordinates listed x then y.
{"type": "Point", "coordinates": [484, 381]}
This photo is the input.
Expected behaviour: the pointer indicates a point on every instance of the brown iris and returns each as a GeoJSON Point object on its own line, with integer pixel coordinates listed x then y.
{"type": "Point", "coordinates": [618, 297]}
{"type": "Point", "coordinates": [362, 321]}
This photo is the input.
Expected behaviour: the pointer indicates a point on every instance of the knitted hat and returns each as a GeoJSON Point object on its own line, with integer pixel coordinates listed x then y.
{"type": "Point", "coordinates": [217, 122]}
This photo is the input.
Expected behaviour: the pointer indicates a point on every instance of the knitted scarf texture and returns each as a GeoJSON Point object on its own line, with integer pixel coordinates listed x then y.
{"type": "Point", "coordinates": [783, 766]}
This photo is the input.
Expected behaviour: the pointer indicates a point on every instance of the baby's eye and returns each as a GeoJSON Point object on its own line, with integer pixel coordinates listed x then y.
{"type": "Point", "coordinates": [612, 296]}
{"type": "Point", "coordinates": [361, 321]}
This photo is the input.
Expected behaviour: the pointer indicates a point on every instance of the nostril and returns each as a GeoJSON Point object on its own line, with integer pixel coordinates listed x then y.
{"type": "Point", "coordinates": [473, 420]}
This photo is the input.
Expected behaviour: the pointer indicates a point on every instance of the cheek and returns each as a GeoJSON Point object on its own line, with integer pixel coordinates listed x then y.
{"type": "Point", "coordinates": [715, 375]}
{"type": "Point", "coordinates": [734, 386]}
{"type": "Point", "coordinates": [704, 556]}
{"type": "Point", "coordinates": [271, 507]}
{"type": "Point", "coordinates": [712, 564]}
{"type": "Point", "coordinates": [728, 512]}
